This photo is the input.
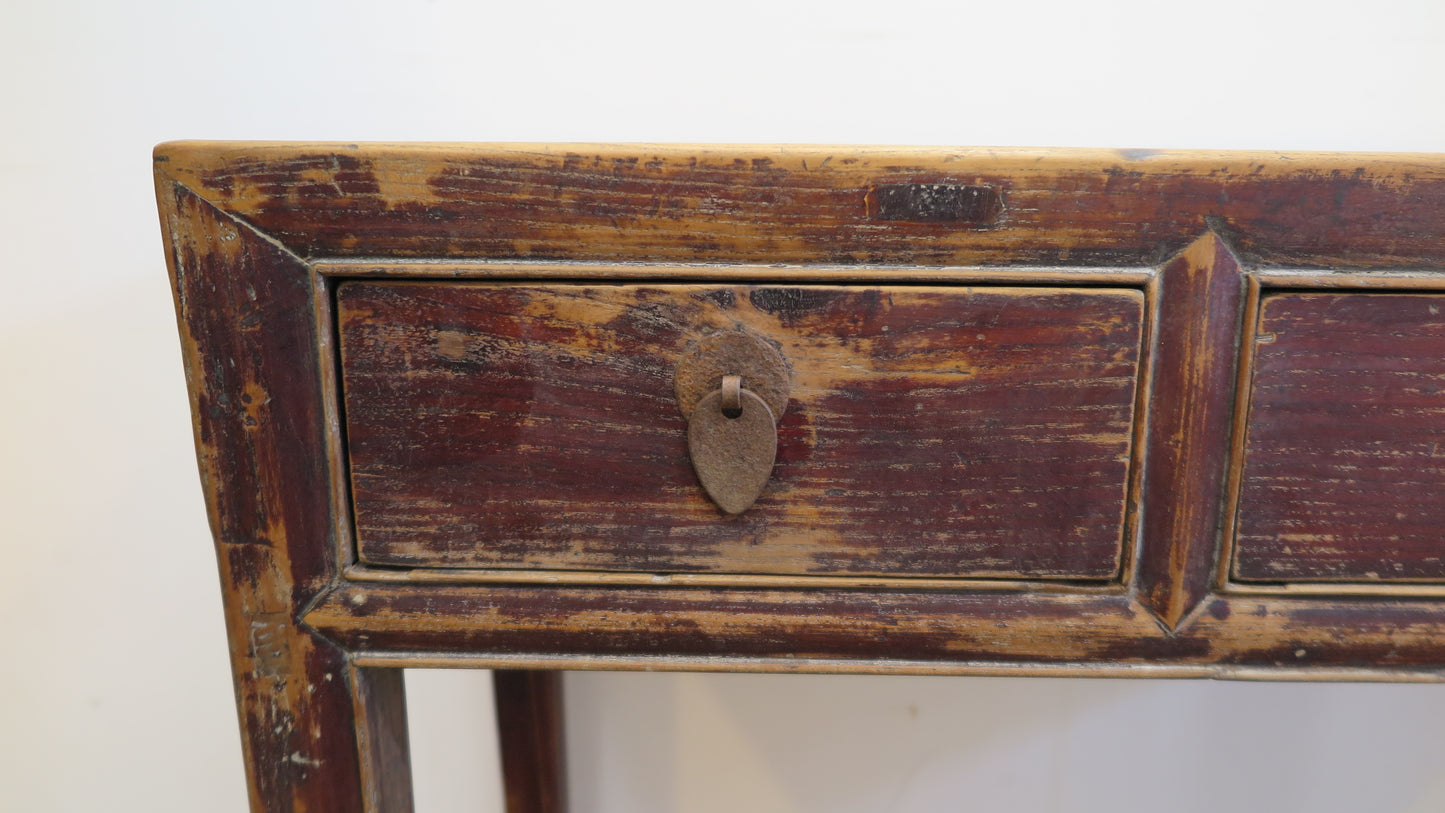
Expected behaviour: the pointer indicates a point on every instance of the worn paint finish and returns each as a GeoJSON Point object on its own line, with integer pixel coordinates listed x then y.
{"type": "Point", "coordinates": [893, 631]}
{"type": "Point", "coordinates": [931, 431]}
{"type": "Point", "coordinates": [1190, 414]}
{"type": "Point", "coordinates": [862, 626]}
{"type": "Point", "coordinates": [1345, 460]}
{"type": "Point", "coordinates": [260, 235]}
{"type": "Point", "coordinates": [810, 204]}
{"type": "Point", "coordinates": [935, 203]}
{"type": "Point", "coordinates": [381, 733]}
{"type": "Point", "coordinates": [243, 305]}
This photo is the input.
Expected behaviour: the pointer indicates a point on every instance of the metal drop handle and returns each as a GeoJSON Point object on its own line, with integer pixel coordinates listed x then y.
{"type": "Point", "coordinates": [732, 439]}
{"type": "Point", "coordinates": [732, 430]}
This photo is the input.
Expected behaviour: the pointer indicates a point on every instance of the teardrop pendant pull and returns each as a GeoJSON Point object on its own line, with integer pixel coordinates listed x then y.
{"type": "Point", "coordinates": [733, 441]}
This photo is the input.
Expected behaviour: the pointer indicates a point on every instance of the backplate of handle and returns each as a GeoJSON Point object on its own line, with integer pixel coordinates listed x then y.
{"type": "Point", "coordinates": [732, 387]}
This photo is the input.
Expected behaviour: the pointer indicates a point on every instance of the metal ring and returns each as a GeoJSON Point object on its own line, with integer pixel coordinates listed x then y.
{"type": "Point", "coordinates": [732, 395]}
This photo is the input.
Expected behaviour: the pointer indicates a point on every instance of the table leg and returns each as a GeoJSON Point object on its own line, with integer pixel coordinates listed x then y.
{"type": "Point", "coordinates": [529, 729]}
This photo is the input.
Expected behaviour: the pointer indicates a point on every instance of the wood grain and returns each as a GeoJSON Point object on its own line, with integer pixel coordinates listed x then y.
{"type": "Point", "coordinates": [244, 306]}
{"type": "Point", "coordinates": [931, 431]}
{"type": "Point", "coordinates": [383, 739]}
{"type": "Point", "coordinates": [872, 631]}
{"type": "Point", "coordinates": [530, 732]}
{"type": "Point", "coordinates": [855, 629]}
{"type": "Point", "coordinates": [1345, 459]}
{"type": "Point", "coordinates": [1190, 415]}
{"type": "Point", "coordinates": [967, 330]}
{"type": "Point", "coordinates": [795, 204]}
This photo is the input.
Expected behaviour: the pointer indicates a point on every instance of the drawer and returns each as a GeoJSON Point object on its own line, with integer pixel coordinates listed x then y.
{"type": "Point", "coordinates": [930, 431]}
{"type": "Point", "coordinates": [1344, 467]}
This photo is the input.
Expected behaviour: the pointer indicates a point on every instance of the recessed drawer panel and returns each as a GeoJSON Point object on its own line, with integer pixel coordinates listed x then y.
{"type": "Point", "coordinates": [1344, 468]}
{"type": "Point", "coordinates": [930, 431]}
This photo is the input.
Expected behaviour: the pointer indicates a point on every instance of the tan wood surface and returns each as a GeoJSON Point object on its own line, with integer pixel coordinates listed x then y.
{"type": "Point", "coordinates": [979, 431]}
{"type": "Point", "coordinates": [296, 270]}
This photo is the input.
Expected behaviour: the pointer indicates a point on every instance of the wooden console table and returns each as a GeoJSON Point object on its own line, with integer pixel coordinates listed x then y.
{"type": "Point", "coordinates": [803, 409]}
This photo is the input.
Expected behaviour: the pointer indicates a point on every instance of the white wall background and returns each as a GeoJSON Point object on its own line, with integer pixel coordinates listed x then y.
{"type": "Point", "coordinates": [114, 687]}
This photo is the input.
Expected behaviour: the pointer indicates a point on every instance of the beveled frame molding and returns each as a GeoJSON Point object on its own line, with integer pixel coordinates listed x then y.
{"type": "Point", "coordinates": [255, 231]}
{"type": "Point", "coordinates": [1262, 282]}
{"type": "Point", "coordinates": [330, 273]}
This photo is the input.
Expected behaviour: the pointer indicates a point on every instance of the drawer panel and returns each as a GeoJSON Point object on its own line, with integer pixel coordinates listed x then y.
{"type": "Point", "coordinates": [1344, 467]}
{"type": "Point", "coordinates": [931, 431]}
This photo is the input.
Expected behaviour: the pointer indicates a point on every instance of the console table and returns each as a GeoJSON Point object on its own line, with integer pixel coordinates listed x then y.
{"type": "Point", "coordinates": [798, 409]}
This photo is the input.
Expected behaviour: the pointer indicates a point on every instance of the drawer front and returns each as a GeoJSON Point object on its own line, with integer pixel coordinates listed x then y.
{"type": "Point", "coordinates": [931, 431]}
{"type": "Point", "coordinates": [1344, 468]}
